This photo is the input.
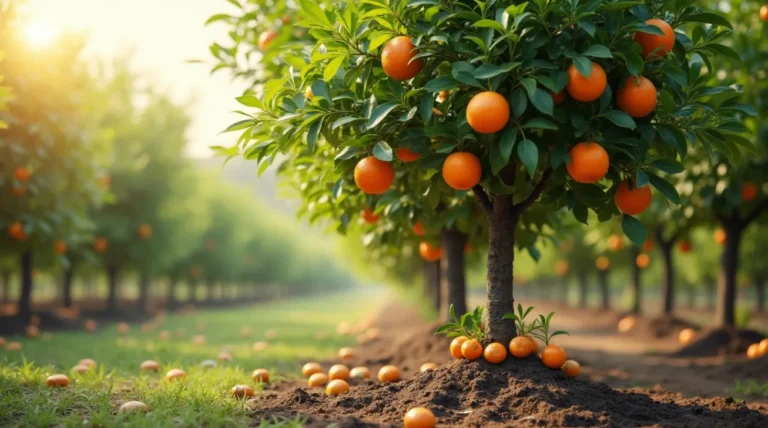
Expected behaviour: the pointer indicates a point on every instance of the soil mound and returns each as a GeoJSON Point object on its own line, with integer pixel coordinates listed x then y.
{"type": "Point", "coordinates": [516, 393]}
{"type": "Point", "coordinates": [408, 350]}
{"type": "Point", "coordinates": [720, 342]}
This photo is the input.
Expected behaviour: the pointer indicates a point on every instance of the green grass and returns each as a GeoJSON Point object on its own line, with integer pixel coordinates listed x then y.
{"type": "Point", "coordinates": [203, 398]}
{"type": "Point", "coordinates": [750, 388]}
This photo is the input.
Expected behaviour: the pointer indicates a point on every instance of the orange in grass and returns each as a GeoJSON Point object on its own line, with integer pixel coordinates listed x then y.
{"type": "Point", "coordinates": [57, 381]}
{"type": "Point", "coordinates": [589, 162]}
{"type": "Point", "coordinates": [488, 112]}
{"type": "Point", "coordinates": [260, 375]}
{"type": "Point", "coordinates": [397, 59]}
{"type": "Point", "coordinates": [586, 89]}
{"type": "Point", "coordinates": [374, 176]}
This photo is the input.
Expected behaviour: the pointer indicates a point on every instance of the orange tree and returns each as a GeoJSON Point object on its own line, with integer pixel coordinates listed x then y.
{"type": "Point", "coordinates": [550, 105]}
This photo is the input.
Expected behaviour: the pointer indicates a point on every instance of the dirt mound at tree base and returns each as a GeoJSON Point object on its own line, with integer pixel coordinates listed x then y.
{"type": "Point", "coordinates": [516, 393]}
{"type": "Point", "coordinates": [407, 350]}
{"type": "Point", "coordinates": [720, 342]}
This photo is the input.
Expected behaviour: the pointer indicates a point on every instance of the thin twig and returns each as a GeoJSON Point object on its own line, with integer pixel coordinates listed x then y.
{"type": "Point", "coordinates": [755, 213]}
{"type": "Point", "coordinates": [482, 197]}
{"type": "Point", "coordinates": [536, 192]}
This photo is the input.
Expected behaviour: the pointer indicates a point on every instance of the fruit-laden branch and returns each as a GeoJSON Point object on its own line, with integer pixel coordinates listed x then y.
{"type": "Point", "coordinates": [536, 192]}
{"type": "Point", "coordinates": [755, 213]}
{"type": "Point", "coordinates": [485, 201]}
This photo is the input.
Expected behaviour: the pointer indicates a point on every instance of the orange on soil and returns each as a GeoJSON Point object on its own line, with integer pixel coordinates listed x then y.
{"type": "Point", "coordinates": [406, 155]}
{"type": "Point", "coordinates": [338, 371]}
{"type": "Point", "coordinates": [686, 336]}
{"type": "Point", "coordinates": [749, 191]}
{"type": "Point", "coordinates": [360, 373]}
{"type": "Point", "coordinates": [762, 347]}
{"type": "Point", "coordinates": [427, 367]}
{"type": "Point", "coordinates": [317, 379]}
{"type": "Point", "coordinates": [243, 391]}
{"type": "Point", "coordinates": [57, 381]}
{"type": "Point", "coordinates": [558, 97]}
{"type": "Point", "coordinates": [721, 237]}
{"type": "Point", "coordinates": [764, 13]}
{"type": "Point", "coordinates": [149, 365]}
{"type": "Point", "coordinates": [21, 174]}
{"type": "Point", "coordinates": [336, 387]}
{"type": "Point", "coordinates": [389, 374]}
{"type": "Point", "coordinates": [488, 112]}
{"type": "Point", "coordinates": [633, 201]}
{"type": "Point", "coordinates": [462, 170]}
{"type": "Point", "coordinates": [418, 229]}
{"type": "Point", "coordinates": [637, 97]}
{"type": "Point", "coordinates": [685, 247]}
{"type": "Point", "coordinates": [456, 346]}
{"type": "Point", "coordinates": [419, 417]}
{"type": "Point", "coordinates": [90, 362]}
{"type": "Point", "coordinates": [374, 176]}
{"type": "Point", "coordinates": [260, 375]}
{"type": "Point", "coordinates": [311, 368]}
{"type": "Point", "coordinates": [495, 353]}
{"type": "Point", "coordinates": [642, 260]}
{"type": "Point", "coordinates": [471, 349]}
{"type": "Point", "coordinates": [753, 351]}
{"type": "Point", "coordinates": [589, 162]}
{"type": "Point", "coordinates": [100, 245]}
{"type": "Point", "coordinates": [396, 59]}
{"type": "Point", "coordinates": [265, 39]}
{"type": "Point", "coordinates": [430, 253]}
{"type": "Point", "coordinates": [648, 246]}
{"type": "Point", "coordinates": [571, 368]}
{"type": "Point", "coordinates": [534, 342]}
{"type": "Point", "coordinates": [175, 374]}
{"type": "Point", "coordinates": [651, 42]}
{"type": "Point", "coordinates": [586, 89]}
{"type": "Point", "coordinates": [520, 347]}
{"type": "Point", "coordinates": [603, 263]}
{"type": "Point", "coordinates": [553, 356]}
{"type": "Point", "coordinates": [346, 353]}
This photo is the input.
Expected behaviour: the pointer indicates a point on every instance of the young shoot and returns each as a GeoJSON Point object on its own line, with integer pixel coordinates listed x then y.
{"type": "Point", "coordinates": [470, 325]}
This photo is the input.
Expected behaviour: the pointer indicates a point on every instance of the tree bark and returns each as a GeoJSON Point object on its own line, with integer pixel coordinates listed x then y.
{"type": "Point", "coordinates": [760, 293]}
{"type": "Point", "coordinates": [143, 292]}
{"type": "Point", "coordinates": [583, 290]}
{"type": "Point", "coordinates": [25, 274]}
{"type": "Point", "coordinates": [433, 284]}
{"type": "Point", "coordinates": [668, 282]}
{"type": "Point", "coordinates": [503, 222]}
{"type": "Point", "coordinates": [605, 293]}
{"type": "Point", "coordinates": [454, 270]}
{"type": "Point", "coordinates": [636, 280]}
{"type": "Point", "coordinates": [112, 294]}
{"type": "Point", "coordinates": [5, 277]}
{"type": "Point", "coordinates": [725, 311]}
{"type": "Point", "coordinates": [170, 300]}
{"type": "Point", "coordinates": [66, 290]}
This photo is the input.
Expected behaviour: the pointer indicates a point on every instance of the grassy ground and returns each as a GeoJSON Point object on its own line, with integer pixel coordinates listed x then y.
{"type": "Point", "coordinates": [203, 398]}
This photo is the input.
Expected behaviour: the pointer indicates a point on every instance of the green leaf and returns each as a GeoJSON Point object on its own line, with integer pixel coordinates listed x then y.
{"type": "Point", "coordinates": [634, 230]}
{"type": "Point", "coordinates": [250, 101]}
{"type": "Point", "coordinates": [333, 67]}
{"type": "Point", "coordinates": [347, 153]}
{"type": "Point", "coordinates": [539, 123]}
{"type": "Point", "coordinates": [619, 118]}
{"type": "Point", "coordinates": [441, 84]}
{"type": "Point", "coordinates": [344, 121]}
{"type": "Point", "coordinates": [583, 66]}
{"type": "Point", "coordinates": [217, 17]}
{"type": "Point", "coordinates": [641, 178]}
{"type": "Point", "coordinates": [708, 18]}
{"type": "Point", "coordinates": [529, 155]}
{"type": "Point", "coordinates": [507, 142]}
{"type": "Point", "coordinates": [664, 187]}
{"type": "Point", "coordinates": [382, 151]}
{"type": "Point", "coordinates": [598, 51]}
{"type": "Point", "coordinates": [416, 3]}
{"type": "Point", "coordinates": [519, 102]}
{"type": "Point", "coordinates": [425, 107]}
{"type": "Point", "coordinates": [312, 134]}
{"type": "Point", "coordinates": [379, 113]}
{"type": "Point", "coordinates": [543, 102]}
{"type": "Point", "coordinates": [313, 11]}
{"type": "Point", "coordinates": [668, 166]}
{"type": "Point", "coordinates": [488, 23]}
{"type": "Point", "coordinates": [488, 71]}
{"type": "Point", "coordinates": [240, 124]}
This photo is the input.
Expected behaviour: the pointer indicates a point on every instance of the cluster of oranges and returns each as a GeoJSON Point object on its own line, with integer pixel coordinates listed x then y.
{"type": "Point", "coordinates": [552, 356]}
{"type": "Point", "coordinates": [757, 350]}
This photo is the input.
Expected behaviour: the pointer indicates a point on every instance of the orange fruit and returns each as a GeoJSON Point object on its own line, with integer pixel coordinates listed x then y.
{"type": "Point", "coordinates": [308, 93]}
{"type": "Point", "coordinates": [224, 356]}
{"type": "Point", "coordinates": [495, 353]}
{"type": "Point", "coordinates": [21, 174]}
{"type": "Point", "coordinates": [721, 237]}
{"type": "Point", "coordinates": [571, 368]}
{"type": "Point", "coordinates": [60, 247]}
{"type": "Point", "coordinates": [589, 162]}
{"type": "Point", "coordinates": [317, 379]}
{"type": "Point", "coordinates": [603, 263]}
{"type": "Point", "coordinates": [196, 271]}
{"type": "Point", "coordinates": [175, 374]}
{"type": "Point", "coordinates": [443, 95]}
{"type": "Point", "coordinates": [32, 331]}
{"type": "Point", "coordinates": [642, 261]}
{"type": "Point", "coordinates": [336, 387]}
{"type": "Point", "coordinates": [149, 365]}
{"type": "Point", "coordinates": [144, 231]}
{"type": "Point", "coordinates": [615, 242]}
{"type": "Point", "coordinates": [260, 375]}
{"type": "Point", "coordinates": [90, 362]}
{"type": "Point", "coordinates": [462, 170]}
{"type": "Point", "coordinates": [633, 201]}
{"type": "Point", "coordinates": [418, 229]}
{"type": "Point", "coordinates": [488, 112]}
{"type": "Point", "coordinates": [467, 248]}
{"type": "Point", "coordinates": [762, 347]}
{"type": "Point", "coordinates": [133, 406]}
{"type": "Point", "coordinates": [749, 191]}
{"type": "Point", "coordinates": [339, 371]}
{"type": "Point", "coordinates": [419, 417]}
{"type": "Point", "coordinates": [752, 352]}
{"type": "Point", "coordinates": [105, 182]}
{"type": "Point", "coordinates": [14, 346]}
{"type": "Point", "coordinates": [100, 245]}
{"type": "Point", "coordinates": [685, 247]}
{"type": "Point", "coordinates": [57, 381]}
{"type": "Point", "coordinates": [637, 97]}
{"type": "Point", "coordinates": [16, 231]}
{"type": "Point", "coordinates": [648, 246]}
{"type": "Point", "coordinates": [285, 19]}
{"type": "Point", "coordinates": [427, 367]}
{"type": "Point", "coordinates": [360, 373]}
{"type": "Point", "coordinates": [389, 374]}
{"type": "Point", "coordinates": [430, 253]}
{"type": "Point", "coordinates": [686, 336]}
{"type": "Point", "coordinates": [242, 391]}
{"type": "Point", "coordinates": [534, 342]}
{"type": "Point", "coordinates": [553, 356]}
{"type": "Point", "coordinates": [471, 349]}
{"type": "Point", "coordinates": [311, 368]}
{"type": "Point", "coordinates": [406, 155]}
{"type": "Point", "coordinates": [396, 59]}
{"type": "Point", "coordinates": [374, 176]}
{"type": "Point", "coordinates": [368, 216]}
{"type": "Point", "coordinates": [586, 89]}
{"type": "Point", "coordinates": [651, 42]}
{"type": "Point", "coordinates": [520, 347]}
{"type": "Point", "coordinates": [561, 268]}
{"type": "Point", "coordinates": [456, 346]}
{"type": "Point", "coordinates": [80, 369]}
{"type": "Point", "coordinates": [90, 325]}
{"type": "Point", "coordinates": [346, 353]}
{"type": "Point", "coordinates": [558, 97]}
{"type": "Point", "coordinates": [764, 13]}
{"type": "Point", "coordinates": [265, 39]}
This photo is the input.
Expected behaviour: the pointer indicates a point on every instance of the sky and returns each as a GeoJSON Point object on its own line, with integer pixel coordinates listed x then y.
{"type": "Point", "coordinates": [162, 34]}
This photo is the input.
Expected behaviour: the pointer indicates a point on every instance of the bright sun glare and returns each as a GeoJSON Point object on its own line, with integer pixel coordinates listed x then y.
{"type": "Point", "coordinates": [40, 34]}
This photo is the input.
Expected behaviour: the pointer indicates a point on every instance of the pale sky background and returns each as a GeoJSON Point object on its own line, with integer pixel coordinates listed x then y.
{"type": "Point", "coordinates": [162, 34]}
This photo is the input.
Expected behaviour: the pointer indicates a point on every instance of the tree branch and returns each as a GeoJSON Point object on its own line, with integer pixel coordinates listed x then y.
{"type": "Point", "coordinates": [755, 213]}
{"type": "Point", "coordinates": [483, 198]}
{"type": "Point", "coordinates": [536, 192]}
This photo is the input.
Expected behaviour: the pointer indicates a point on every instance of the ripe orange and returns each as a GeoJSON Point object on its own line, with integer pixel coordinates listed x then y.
{"type": "Point", "coordinates": [309, 93]}
{"type": "Point", "coordinates": [589, 162]}
{"type": "Point", "coordinates": [764, 13]}
{"type": "Point", "coordinates": [558, 97]}
{"type": "Point", "coordinates": [456, 346]}
{"type": "Point", "coordinates": [260, 375]}
{"type": "Point", "coordinates": [57, 381]}
{"type": "Point", "coordinates": [443, 95]}
{"type": "Point", "coordinates": [586, 89]}
{"type": "Point", "coordinates": [317, 379]}
{"type": "Point", "coordinates": [648, 246]}
{"type": "Point", "coordinates": [224, 356]}
{"type": "Point", "coordinates": [242, 391]}
{"type": "Point", "coordinates": [406, 155]}
{"type": "Point", "coordinates": [651, 42]}
{"type": "Point", "coordinates": [471, 349]}
{"type": "Point", "coordinates": [749, 191]}
{"type": "Point", "coordinates": [368, 216]}
{"type": "Point", "coordinates": [90, 362]}
{"type": "Point", "coordinates": [374, 176]}
{"type": "Point", "coordinates": [642, 260]}
{"type": "Point", "coordinates": [571, 368]}
{"type": "Point", "coordinates": [389, 374]}
{"type": "Point", "coordinates": [429, 366]}
{"type": "Point", "coordinates": [396, 59]}
{"type": "Point", "coordinates": [175, 374]}
{"type": "Point", "coordinates": [418, 229]}
{"type": "Point", "coordinates": [495, 353]}
{"type": "Point", "coordinates": [285, 19]}
{"type": "Point", "coordinates": [21, 174]}
{"type": "Point", "coordinates": [311, 368]}
{"type": "Point", "coordinates": [462, 170]}
{"type": "Point", "coordinates": [16, 231]}
{"type": "Point", "coordinates": [561, 268]}
{"type": "Point", "coordinates": [553, 356]}
{"type": "Point", "coordinates": [685, 247]}
{"type": "Point", "coordinates": [265, 39]}
{"type": "Point", "coordinates": [615, 242]}
{"type": "Point", "coordinates": [721, 237]}
{"type": "Point", "coordinates": [360, 373]}
{"type": "Point", "coordinates": [633, 201]}
{"type": "Point", "coordinates": [419, 417]}
{"type": "Point", "coordinates": [144, 231]}
{"type": "Point", "coordinates": [149, 365]}
{"type": "Point", "coordinates": [534, 343]}
{"type": "Point", "coordinates": [762, 347]}
{"type": "Point", "coordinates": [686, 336]}
{"type": "Point", "coordinates": [488, 112]}
{"type": "Point", "coordinates": [520, 347]}
{"type": "Point", "coordinates": [346, 353]}
{"type": "Point", "coordinates": [603, 263]}
{"type": "Point", "coordinates": [100, 245]}
{"type": "Point", "coordinates": [752, 352]}
{"type": "Point", "coordinates": [338, 371]}
{"type": "Point", "coordinates": [336, 387]}
{"type": "Point", "coordinates": [80, 369]}
{"type": "Point", "coordinates": [637, 97]}
{"type": "Point", "coordinates": [430, 253]}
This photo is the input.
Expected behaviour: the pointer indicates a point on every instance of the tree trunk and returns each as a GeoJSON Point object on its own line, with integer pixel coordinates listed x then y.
{"type": "Point", "coordinates": [502, 227]}
{"type": "Point", "coordinates": [66, 290]}
{"type": "Point", "coordinates": [433, 284]}
{"type": "Point", "coordinates": [25, 273]}
{"type": "Point", "coordinates": [583, 289]}
{"type": "Point", "coordinates": [192, 291]}
{"type": "Point", "coordinates": [453, 270]}
{"type": "Point", "coordinates": [760, 293]}
{"type": "Point", "coordinates": [726, 286]}
{"type": "Point", "coordinates": [143, 292]}
{"type": "Point", "coordinates": [5, 277]}
{"type": "Point", "coordinates": [112, 294]}
{"type": "Point", "coordinates": [605, 293]}
{"type": "Point", "coordinates": [170, 300]}
{"type": "Point", "coordinates": [668, 282]}
{"type": "Point", "coordinates": [636, 280]}
{"type": "Point", "coordinates": [564, 290]}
